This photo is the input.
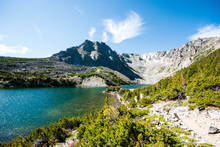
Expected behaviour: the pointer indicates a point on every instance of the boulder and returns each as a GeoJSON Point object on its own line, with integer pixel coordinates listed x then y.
{"type": "Point", "coordinates": [201, 108]}
{"type": "Point", "coordinates": [213, 130]}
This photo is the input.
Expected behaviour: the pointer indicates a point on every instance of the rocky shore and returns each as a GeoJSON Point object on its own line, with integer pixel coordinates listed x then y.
{"type": "Point", "coordinates": [93, 82]}
{"type": "Point", "coordinates": [203, 124]}
{"type": "Point", "coordinates": [200, 124]}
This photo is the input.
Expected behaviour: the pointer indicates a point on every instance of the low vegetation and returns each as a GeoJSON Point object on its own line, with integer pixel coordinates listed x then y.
{"type": "Point", "coordinates": [49, 135]}
{"type": "Point", "coordinates": [11, 60]}
{"type": "Point", "coordinates": [52, 78]}
{"type": "Point", "coordinates": [110, 127]}
{"type": "Point", "coordinates": [32, 79]}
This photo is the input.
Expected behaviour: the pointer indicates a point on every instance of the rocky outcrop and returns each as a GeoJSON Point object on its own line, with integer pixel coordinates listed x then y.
{"type": "Point", "coordinates": [213, 130]}
{"type": "Point", "coordinates": [93, 81]}
{"type": "Point", "coordinates": [95, 54]}
{"type": "Point", "coordinates": [157, 65]}
{"type": "Point", "coordinates": [202, 125]}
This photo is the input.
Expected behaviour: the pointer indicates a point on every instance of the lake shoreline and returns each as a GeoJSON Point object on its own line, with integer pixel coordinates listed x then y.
{"type": "Point", "coordinates": [38, 107]}
{"type": "Point", "coordinates": [22, 110]}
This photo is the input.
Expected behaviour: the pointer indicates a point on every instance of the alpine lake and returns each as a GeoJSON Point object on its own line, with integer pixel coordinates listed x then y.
{"type": "Point", "coordinates": [22, 110]}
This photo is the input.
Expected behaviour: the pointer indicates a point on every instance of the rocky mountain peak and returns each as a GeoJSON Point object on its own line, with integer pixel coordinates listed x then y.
{"type": "Point", "coordinates": [89, 47]}
{"type": "Point", "coordinates": [95, 54]}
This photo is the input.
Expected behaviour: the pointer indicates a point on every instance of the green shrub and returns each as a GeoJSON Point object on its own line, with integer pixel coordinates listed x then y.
{"type": "Point", "coordinates": [137, 112]}
{"type": "Point", "coordinates": [112, 89]}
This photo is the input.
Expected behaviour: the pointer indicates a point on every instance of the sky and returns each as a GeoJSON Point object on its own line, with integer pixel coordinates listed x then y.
{"type": "Point", "coordinates": [40, 28]}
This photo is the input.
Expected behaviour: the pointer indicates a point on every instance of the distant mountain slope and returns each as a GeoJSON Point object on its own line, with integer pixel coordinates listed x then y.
{"type": "Point", "coordinates": [199, 82]}
{"type": "Point", "coordinates": [43, 72]}
{"type": "Point", "coordinates": [68, 68]}
{"type": "Point", "coordinates": [95, 54]}
{"type": "Point", "coordinates": [157, 65]}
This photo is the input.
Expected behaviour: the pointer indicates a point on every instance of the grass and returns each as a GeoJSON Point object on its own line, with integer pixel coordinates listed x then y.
{"type": "Point", "coordinates": [12, 60]}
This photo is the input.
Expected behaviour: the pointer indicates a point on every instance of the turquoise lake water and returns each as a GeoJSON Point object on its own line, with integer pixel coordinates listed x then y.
{"type": "Point", "coordinates": [22, 110]}
{"type": "Point", "coordinates": [133, 86]}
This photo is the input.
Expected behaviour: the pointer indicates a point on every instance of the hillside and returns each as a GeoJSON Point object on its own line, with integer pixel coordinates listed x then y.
{"type": "Point", "coordinates": [64, 68]}
{"type": "Point", "coordinates": [200, 83]}
{"type": "Point", "coordinates": [94, 54]}
{"type": "Point", "coordinates": [188, 100]}
{"type": "Point", "coordinates": [144, 68]}
{"type": "Point", "coordinates": [25, 72]}
{"type": "Point", "coordinates": [157, 65]}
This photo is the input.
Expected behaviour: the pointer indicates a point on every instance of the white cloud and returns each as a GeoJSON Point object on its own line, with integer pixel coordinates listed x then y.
{"type": "Point", "coordinates": [91, 32]}
{"type": "Point", "coordinates": [4, 49]}
{"type": "Point", "coordinates": [104, 37]}
{"type": "Point", "coordinates": [125, 29]}
{"type": "Point", "coordinates": [207, 31]}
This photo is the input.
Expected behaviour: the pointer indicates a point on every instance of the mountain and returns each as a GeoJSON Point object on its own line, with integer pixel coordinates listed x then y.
{"type": "Point", "coordinates": [96, 64]}
{"type": "Point", "coordinates": [95, 54]}
{"type": "Point", "coordinates": [200, 82]}
{"type": "Point", "coordinates": [156, 65]}
{"type": "Point", "coordinates": [144, 68]}
{"type": "Point", "coordinates": [43, 72]}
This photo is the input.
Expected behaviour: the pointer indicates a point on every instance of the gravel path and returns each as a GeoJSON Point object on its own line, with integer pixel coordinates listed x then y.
{"type": "Point", "coordinates": [198, 122]}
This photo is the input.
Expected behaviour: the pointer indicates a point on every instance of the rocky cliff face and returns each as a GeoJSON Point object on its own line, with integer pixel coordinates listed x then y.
{"type": "Point", "coordinates": [95, 54]}
{"type": "Point", "coordinates": [157, 65]}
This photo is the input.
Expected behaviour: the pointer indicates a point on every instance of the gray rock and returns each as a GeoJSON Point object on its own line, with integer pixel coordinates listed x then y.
{"type": "Point", "coordinates": [144, 118]}
{"type": "Point", "coordinates": [213, 130]}
{"type": "Point", "coordinates": [176, 116]}
{"type": "Point", "coordinates": [93, 81]}
{"type": "Point", "coordinates": [201, 108]}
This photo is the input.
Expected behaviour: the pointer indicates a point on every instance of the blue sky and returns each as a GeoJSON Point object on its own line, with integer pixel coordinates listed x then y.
{"type": "Point", "coordinates": [39, 28]}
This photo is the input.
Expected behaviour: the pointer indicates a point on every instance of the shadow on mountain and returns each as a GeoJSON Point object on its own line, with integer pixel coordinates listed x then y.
{"type": "Point", "coordinates": [95, 54]}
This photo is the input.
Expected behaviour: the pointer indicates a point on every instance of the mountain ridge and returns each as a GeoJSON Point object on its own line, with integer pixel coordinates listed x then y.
{"type": "Point", "coordinates": [154, 66]}
{"type": "Point", "coordinates": [95, 54]}
{"type": "Point", "coordinates": [147, 68]}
